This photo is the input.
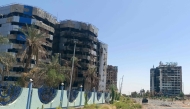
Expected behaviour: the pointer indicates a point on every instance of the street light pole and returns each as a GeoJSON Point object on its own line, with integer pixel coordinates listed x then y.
{"type": "Point", "coordinates": [71, 74]}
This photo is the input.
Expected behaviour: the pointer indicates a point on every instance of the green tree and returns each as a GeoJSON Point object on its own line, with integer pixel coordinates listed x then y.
{"type": "Point", "coordinates": [86, 99]}
{"type": "Point", "coordinates": [147, 93]}
{"type": "Point", "coordinates": [54, 72]}
{"type": "Point", "coordinates": [113, 93]}
{"type": "Point", "coordinates": [181, 94]}
{"type": "Point", "coordinates": [134, 94]}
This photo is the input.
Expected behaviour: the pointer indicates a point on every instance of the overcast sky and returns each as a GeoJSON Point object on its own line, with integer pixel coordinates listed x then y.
{"type": "Point", "coordinates": [139, 33]}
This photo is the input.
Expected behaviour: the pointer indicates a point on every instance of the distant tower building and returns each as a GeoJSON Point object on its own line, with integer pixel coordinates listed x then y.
{"type": "Point", "coordinates": [166, 79]}
{"type": "Point", "coordinates": [111, 78]}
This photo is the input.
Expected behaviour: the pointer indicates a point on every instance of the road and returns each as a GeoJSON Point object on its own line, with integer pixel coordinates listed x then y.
{"type": "Point", "coordinates": [160, 104]}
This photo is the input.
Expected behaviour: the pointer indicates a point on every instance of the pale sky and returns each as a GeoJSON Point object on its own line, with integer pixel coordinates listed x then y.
{"type": "Point", "coordinates": [139, 33]}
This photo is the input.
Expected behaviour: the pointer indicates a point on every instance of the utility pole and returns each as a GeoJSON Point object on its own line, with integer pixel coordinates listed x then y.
{"type": "Point", "coordinates": [75, 41]}
{"type": "Point", "coordinates": [183, 91]}
{"type": "Point", "coordinates": [121, 84]}
{"type": "Point", "coordinates": [183, 87]}
{"type": "Point", "coordinates": [60, 65]}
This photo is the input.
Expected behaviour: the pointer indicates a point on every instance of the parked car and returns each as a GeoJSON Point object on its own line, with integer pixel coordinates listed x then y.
{"type": "Point", "coordinates": [144, 100]}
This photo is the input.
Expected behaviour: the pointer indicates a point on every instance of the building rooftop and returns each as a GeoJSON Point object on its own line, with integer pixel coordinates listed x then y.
{"type": "Point", "coordinates": [28, 5]}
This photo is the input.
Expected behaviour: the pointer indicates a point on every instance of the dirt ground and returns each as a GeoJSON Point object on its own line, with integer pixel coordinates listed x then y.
{"type": "Point", "coordinates": [159, 104]}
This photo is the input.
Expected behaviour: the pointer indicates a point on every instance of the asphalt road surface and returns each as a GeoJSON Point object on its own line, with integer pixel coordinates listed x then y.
{"type": "Point", "coordinates": [160, 104]}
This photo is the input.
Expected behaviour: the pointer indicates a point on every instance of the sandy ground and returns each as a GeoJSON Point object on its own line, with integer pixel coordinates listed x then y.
{"type": "Point", "coordinates": [160, 104]}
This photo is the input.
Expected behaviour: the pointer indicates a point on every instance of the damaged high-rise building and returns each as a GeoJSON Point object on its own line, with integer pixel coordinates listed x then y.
{"type": "Point", "coordinates": [102, 65]}
{"type": "Point", "coordinates": [89, 51]}
{"type": "Point", "coordinates": [166, 79]}
{"type": "Point", "coordinates": [16, 16]}
{"type": "Point", "coordinates": [111, 77]}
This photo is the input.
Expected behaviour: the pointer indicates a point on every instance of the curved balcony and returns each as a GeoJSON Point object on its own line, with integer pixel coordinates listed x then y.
{"type": "Point", "coordinates": [79, 26]}
{"type": "Point", "coordinates": [78, 35]}
{"type": "Point", "coordinates": [70, 48]}
{"type": "Point", "coordinates": [31, 10]}
{"type": "Point", "coordinates": [78, 56]}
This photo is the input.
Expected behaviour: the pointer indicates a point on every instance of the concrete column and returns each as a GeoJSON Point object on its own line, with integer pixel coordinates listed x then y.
{"type": "Point", "coordinates": [94, 95]}
{"type": "Point", "coordinates": [29, 95]}
{"type": "Point", "coordinates": [80, 95]}
{"type": "Point", "coordinates": [62, 92]}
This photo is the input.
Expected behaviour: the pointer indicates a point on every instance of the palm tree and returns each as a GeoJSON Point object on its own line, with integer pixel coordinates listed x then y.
{"type": "Point", "coordinates": [91, 78]}
{"type": "Point", "coordinates": [54, 71]}
{"type": "Point", "coordinates": [67, 73]}
{"type": "Point", "coordinates": [36, 74]}
{"type": "Point", "coordinates": [50, 74]}
{"type": "Point", "coordinates": [6, 59]}
{"type": "Point", "coordinates": [34, 40]}
{"type": "Point", "coordinates": [54, 64]}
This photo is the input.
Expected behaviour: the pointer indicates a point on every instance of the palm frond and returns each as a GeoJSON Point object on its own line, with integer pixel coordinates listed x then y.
{"type": "Point", "coordinates": [24, 54]}
{"type": "Point", "coordinates": [4, 40]}
{"type": "Point", "coordinates": [7, 58]}
{"type": "Point", "coordinates": [55, 59]}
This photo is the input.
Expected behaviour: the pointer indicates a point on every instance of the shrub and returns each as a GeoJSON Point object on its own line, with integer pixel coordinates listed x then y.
{"type": "Point", "coordinates": [104, 107]}
{"type": "Point", "coordinates": [58, 108]}
{"type": "Point", "coordinates": [127, 103]}
{"type": "Point", "coordinates": [137, 106]}
{"type": "Point", "coordinates": [86, 99]}
{"type": "Point", "coordinates": [122, 105]}
{"type": "Point", "coordinates": [70, 108]}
